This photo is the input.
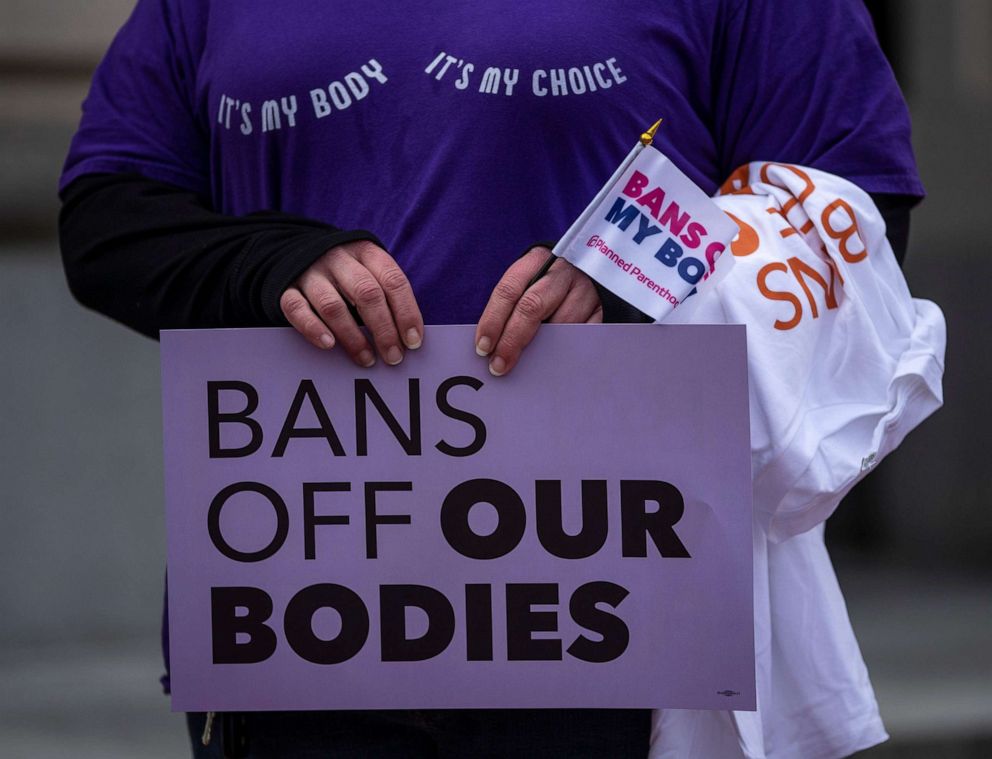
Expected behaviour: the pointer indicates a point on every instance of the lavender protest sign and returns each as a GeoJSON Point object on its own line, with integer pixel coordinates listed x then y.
{"type": "Point", "coordinates": [577, 534]}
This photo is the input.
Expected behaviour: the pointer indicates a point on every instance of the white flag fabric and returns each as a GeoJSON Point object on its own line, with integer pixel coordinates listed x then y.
{"type": "Point", "coordinates": [650, 236]}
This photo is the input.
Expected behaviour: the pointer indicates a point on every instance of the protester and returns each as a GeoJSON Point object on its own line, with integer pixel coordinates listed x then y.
{"type": "Point", "coordinates": [222, 140]}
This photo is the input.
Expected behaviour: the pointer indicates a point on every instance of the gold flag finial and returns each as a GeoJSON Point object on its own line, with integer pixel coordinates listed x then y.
{"type": "Point", "coordinates": [648, 137]}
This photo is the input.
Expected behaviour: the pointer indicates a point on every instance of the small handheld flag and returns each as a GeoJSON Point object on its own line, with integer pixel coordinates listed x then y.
{"type": "Point", "coordinates": [650, 235]}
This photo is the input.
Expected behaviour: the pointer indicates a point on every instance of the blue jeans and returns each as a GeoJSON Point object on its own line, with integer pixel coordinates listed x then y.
{"type": "Point", "coordinates": [439, 734]}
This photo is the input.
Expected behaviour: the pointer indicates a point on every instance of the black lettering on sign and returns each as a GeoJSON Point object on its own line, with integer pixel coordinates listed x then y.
{"type": "Point", "coordinates": [510, 513]}
{"type": "Point", "coordinates": [393, 603]}
{"type": "Point", "coordinates": [311, 520]}
{"type": "Point", "coordinates": [307, 391]}
{"type": "Point", "coordinates": [217, 537]}
{"type": "Point", "coordinates": [522, 621]}
{"type": "Point", "coordinates": [479, 622]}
{"type": "Point", "coordinates": [410, 441]}
{"type": "Point", "coordinates": [590, 538]}
{"type": "Point", "coordinates": [473, 421]}
{"type": "Point", "coordinates": [373, 518]}
{"type": "Point", "coordinates": [637, 522]}
{"type": "Point", "coordinates": [614, 632]}
{"type": "Point", "coordinates": [298, 622]}
{"type": "Point", "coordinates": [227, 623]}
{"type": "Point", "coordinates": [215, 419]}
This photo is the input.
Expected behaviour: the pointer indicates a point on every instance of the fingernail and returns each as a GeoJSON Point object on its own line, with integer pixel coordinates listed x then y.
{"type": "Point", "coordinates": [497, 367]}
{"type": "Point", "coordinates": [393, 356]}
{"type": "Point", "coordinates": [484, 346]}
{"type": "Point", "coordinates": [366, 359]}
{"type": "Point", "coordinates": [327, 341]}
{"type": "Point", "coordinates": [413, 340]}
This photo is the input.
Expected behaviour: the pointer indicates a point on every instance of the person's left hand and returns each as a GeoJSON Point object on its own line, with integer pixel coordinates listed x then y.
{"type": "Point", "coordinates": [514, 313]}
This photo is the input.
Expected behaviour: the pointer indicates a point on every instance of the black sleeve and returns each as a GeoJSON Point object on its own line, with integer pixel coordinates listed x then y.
{"type": "Point", "coordinates": [895, 211]}
{"type": "Point", "coordinates": [154, 256]}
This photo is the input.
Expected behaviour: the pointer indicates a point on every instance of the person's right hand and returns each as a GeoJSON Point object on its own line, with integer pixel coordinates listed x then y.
{"type": "Point", "coordinates": [364, 275]}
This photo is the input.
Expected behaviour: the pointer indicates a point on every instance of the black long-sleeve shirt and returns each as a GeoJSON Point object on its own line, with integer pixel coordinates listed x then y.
{"type": "Point", "coordinates": [154, 256]}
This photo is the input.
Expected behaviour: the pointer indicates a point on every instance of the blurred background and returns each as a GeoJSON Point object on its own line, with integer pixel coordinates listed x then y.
{"type": "Point", "coordinates": [82, 545]}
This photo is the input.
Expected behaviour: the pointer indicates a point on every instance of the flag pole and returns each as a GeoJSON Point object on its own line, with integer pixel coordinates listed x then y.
{"type": "Point", "coordinates": [645, 140]}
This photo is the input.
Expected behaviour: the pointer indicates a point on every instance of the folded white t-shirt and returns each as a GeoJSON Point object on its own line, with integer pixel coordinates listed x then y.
{"type": "Point", "coordinates": [842, 363]}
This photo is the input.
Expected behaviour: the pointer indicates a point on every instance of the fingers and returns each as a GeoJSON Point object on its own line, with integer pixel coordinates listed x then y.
{"type": "Point", "coordinates": [399, 294]}
{"type": "Point", "coordinates": [597, 316]}
{"type": "Point", "coordinates": [325, 299]}
{"type": "Point", "coordinates": [298, 313]}
{"type": "Point", "coordinates": [366, 276]}
{"type": "Point", "coordinates": [515, 311]}
{"type": "Point", "coordinates": [504, 299]}
{"type": "Point", "coordinates": [363, 290]}
{"type": "Point", "coordinates": [535, 305]}
{"type": "Point", "coordinates": [580, 304]}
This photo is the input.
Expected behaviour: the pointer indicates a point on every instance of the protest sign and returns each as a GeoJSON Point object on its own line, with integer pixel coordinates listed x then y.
{"type": "Point", "coordinates": [576, 534]}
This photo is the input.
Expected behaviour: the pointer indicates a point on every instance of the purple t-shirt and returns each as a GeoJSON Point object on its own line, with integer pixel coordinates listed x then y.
{"type": "Point", "coordinates": [462, 132]}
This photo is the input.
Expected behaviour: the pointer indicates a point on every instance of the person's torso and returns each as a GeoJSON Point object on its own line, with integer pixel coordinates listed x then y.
{"type": "Point", "coordinates": [459, 133]}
